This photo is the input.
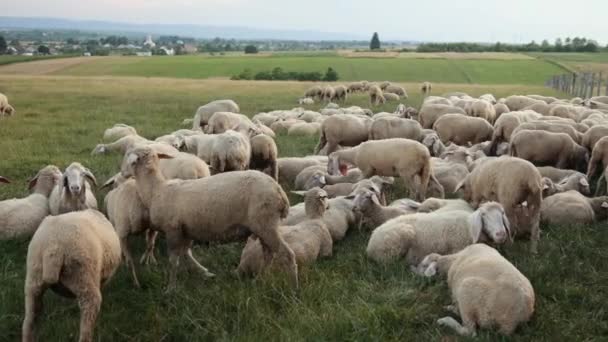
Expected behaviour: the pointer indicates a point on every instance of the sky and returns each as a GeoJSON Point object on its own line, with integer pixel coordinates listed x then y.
{"type": "Point", "coordinates": [423, 20]}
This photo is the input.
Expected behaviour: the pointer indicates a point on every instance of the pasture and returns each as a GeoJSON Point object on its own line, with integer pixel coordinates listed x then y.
{"type": "Point", "coordinates": [347, 297]}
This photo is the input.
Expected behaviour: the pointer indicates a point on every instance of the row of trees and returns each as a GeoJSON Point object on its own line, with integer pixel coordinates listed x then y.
{"type": "Point", "coordinates": [567, 45]}
{"type": "Point", "coordinates": [278, 74]}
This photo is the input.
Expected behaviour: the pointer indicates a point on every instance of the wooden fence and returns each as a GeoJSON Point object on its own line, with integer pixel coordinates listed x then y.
{"type": "Point", "coordinates": [583, 85]}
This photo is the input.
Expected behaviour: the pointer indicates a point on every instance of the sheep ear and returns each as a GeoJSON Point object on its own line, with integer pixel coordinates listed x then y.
{"type": "Point", "coordinates": [431, 270]}
{"type": "Point", "coordinates": [460, 185]}
{"type": "Point", "coordinates": [505, 222]}
{"type": "Point", "coordinates": [164, 156]}
{"type": "Point", "coordinates": [109, 182]}
{"type": "Point", "coordinates": [4, 180]}
{"type": "Point", "coordinates": [299, 193]}
{"type": "Point", "coordinates": [89, 175]}
{"type": "Point", "coordinates": [375, 199]}
{"type": "Point", "coordinates": [32, 182]}
{"type": "Point", "coordinates": [584, 182]}
{"type": "Point", "coordinates": [388, 180]}
{"type": "Point", "coordinates": [545, 186]}
{"type": "Point", "coordinates": [477, 219]}
{"type": "Point", "coordinates": [604, 205]}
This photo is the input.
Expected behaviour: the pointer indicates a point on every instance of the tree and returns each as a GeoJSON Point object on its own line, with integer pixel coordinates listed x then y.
{"type": "Point", "coordinates": [559, 46]}
{"type": "Point", "coordinates": [251, 49]}
{"type": "Point", "coordinates": [44, 50]}
{"type": "Point", "coordinates": [375, 43]}
{"type": "Point", "coordinates": [3, 45]}
{"type": "Point", "coordinates": [544, 46]}
{"type": "Point", "coordinates": [330, 76]}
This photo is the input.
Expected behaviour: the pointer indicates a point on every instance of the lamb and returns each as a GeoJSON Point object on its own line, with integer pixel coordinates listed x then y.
{"type": "Point", "coordinates": [118, 131]}
{"type": "Point", "coordinates": [21, 217]}
{"type": "Point", "coordinates": [546, 148]}
{"type": "Point", "coordinates": [393, 127]}
{"type": "Point", "coordinates": [309, 239]}
{"type": "Point", "coordinates": [576, 181]}
{"type": "Point", "coordinates": [438, 205]}
{"type": "Point", "coordinates": [341, 93]}
{"type": "Point", "coordinates": [571, 207]}
{"type": "Point", "coordinates": [429, 113]}
{"type": "Point", "coordinates": [416, 236]}
{"type": "Point", "coordinates": [516, 184]}
{"type": "Point", "coordinates": [426, 88]}
{"type": "Point", "coordinates": [461, 129]}
{"type": "Point", "coordinates": [487, 290]}
{"type": "Point", "coordinates": [204, 113]}
{"type": "Point", "coordinates": [593, 135]}
{"type": "Point", "coordinates": [368, 206]}
{"type": "Point", "coordinates": [395, 89]}
{"type": "Point", "coordinates": [344, 130]}
{"type": "Point", "coordinates": [390, 157]}
{"type": "Point", "coordinates": [74, 193]}
{"type": "Point", "coordinates": [264, 155]}
{"type": "Point", "coordinates": [75, 254]}
{"type": "Point", "coordinates": [391, 97]}
{"type": "Point", "coordinates": [231, 151]}
{"type": "Point", "coordinates": [197, 209]}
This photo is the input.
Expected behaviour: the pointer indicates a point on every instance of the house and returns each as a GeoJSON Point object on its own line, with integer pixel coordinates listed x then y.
{"type": "Point", "coordinates": [143, 53]}
{"type": "Point", "coordinates": [149, 42]}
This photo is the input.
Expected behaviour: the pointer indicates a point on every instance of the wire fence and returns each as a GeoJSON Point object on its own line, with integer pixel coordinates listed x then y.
{"type": "Point", "coordinates": [583, 85]}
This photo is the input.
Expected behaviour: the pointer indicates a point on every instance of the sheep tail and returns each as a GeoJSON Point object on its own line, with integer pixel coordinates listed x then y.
{"type": "Point", "coordinates": [52, 263]}
{"type": "Point", "coordinates": [274, 170]}
{"type": "Point", "coordinates": [322, 141]}
{"type": "Point", "coordinates": [284, 205]}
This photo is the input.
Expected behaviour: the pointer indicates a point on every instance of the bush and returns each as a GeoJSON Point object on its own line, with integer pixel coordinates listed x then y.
{"type": "Point", "coordinates": [251, 49]}
{"type": "Point", "coordinates": [278, 74]}
{"type": "Point", "coordinates": [330, 76]}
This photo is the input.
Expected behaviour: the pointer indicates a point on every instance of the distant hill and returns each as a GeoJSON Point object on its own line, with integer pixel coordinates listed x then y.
{"type": "Point", "coordinates": [194, 31]}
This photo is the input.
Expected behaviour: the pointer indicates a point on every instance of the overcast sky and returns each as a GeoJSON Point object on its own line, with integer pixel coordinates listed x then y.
{"type": "Point", "coordinates": [427, 20]}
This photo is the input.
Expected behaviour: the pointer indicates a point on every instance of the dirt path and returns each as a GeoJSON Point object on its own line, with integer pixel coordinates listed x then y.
{"type": "Point", "coordinates": [44, 67]}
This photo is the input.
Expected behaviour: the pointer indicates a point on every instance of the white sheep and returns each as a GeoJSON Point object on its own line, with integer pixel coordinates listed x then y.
{"type": "Point", "coordinates": [204, 113]}
{"type": "Point", "coordinates": [74, 192]}
{"type": "Point", "coordinates": [231, 151]}
{"type": "Point", "coordinates": [75, 254]}
{"type": "Point", "coordinates": [21, 217]}
{"type": "Point", "coordinates": [571, 207]}
{"type": "Point", "coordinates": [417, 235]}
{"type": "Point", "coordinates": [264, 155]}
{"type": "Point", "coordinates": [344, 130]}
{"type": "Point", "coordinates": [118, 131]}
{"type": "Point", "coordinates": [368, 205]}
{"type": "Point", "coordinates": [487, 290]}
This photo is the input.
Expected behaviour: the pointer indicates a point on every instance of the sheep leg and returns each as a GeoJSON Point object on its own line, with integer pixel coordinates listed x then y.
{"type": "Point", "coordinates": [281, 252]}
{"type": "Point", "coordinates": [129, 259]}
{"type": "Point", "coordinates": [175, 248]}
{"type": "Point", "coordinates": [534, 236]}
{"type": "Point", "coordinates": [33, 308]}
{"type": "Point", "coordinates": [89, 301]}
{"type": "Point", "coordinates": [148, 256]}
{"type": "Point", "coordinates": [453, 309]}
{"type": "Point", "coordinates": [195, 266]}
{"type": "Point", "coordinates": [454, 325]}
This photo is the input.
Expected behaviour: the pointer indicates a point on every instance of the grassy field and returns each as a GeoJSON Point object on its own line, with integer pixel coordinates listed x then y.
{"type": "Point", "coordinates": [8, 59]}
{"type": "Point", "coordinates": [346, 297]}
{"type": "Point", "coordinates": [449, 70]}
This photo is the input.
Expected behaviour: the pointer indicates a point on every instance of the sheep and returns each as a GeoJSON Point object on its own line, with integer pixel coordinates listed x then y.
{"type": "Point", "coordinates": [260, 128]}
{"type": "Point", "coordinates": [230, 151]}
{"type": "Point", "coordinates": [283, 126]}
{"type": "Point", "coordinates": [571, 207]}
{"type": "Point", "coordinates": [547, 148]}
{"type": "Point", "coordinates": [395, 89]}
{"type": "Point", "coordinates": [220, 122]}
{"type": "Point", "coordinates": [368, 205]}
{"type": "Point", "coordinates": [488, 98]}
{"type": "Point", "coordinates": [390, 157]}
{"type": "Point", "coordinates": [500, 109]}
{"type": "Point", "coordinates": [376, 96]}
{"type": "Point", "coordinates": [576, 181]}
{"type": "Point", "coordinates": [310, 116]}
{"type": "Point", "coordinates": [5, 107]}
{"type": "Point", "coordinates": [426, 88]}
{"type": "Point", "coordinates": [309, 239]}
{"type": "Point", "coordinates": [308, 101]}
{"type": "Point", "coordinates": [384, 85]}
{"type": "Point", "coordinates": [121, 145]}
{"type": "Point", "coordinates": [375, 183]}
{"type": "Point", "coordinates": [118, 131]}
{"type": "Point", "coordinates": [341, 93]}
{"type": "Point", "coordinates": [183, 166]}
{"type": "Point", "coordinates": [304, 128]}
{"type": "Point", "coordinates": [518, 102]}
{"type": "Point", "coordinates": [329, 94]}
{"type": "Point", "coordinates": [356, 87]}
{"type": "Point", "coordinates": [417, 235]}
{"type": "Point", "coordinates": [74, 193]}
{"type": "Point", "coordinates": [75, 254]}
{"type": "Point", "coordinates": [204, 113]}
{"type": "Point", "coordinates": [461, 129]}
{"type": "Point", "coordinates": [565, 111]}
{"type": "Point", "coordinates": [264, 155]}
{"type": "Point", "coordinates": [21, 217]}
{"type": "Point", "coordinates": [393, 127]}
{"type": "Point", "coordinates": [593, 135]}
{"type": "Point", "coordinates": [391, 97]}
{"type": "Point", "coordinates": [314, 92]}
{"type": "Point", "coordinates": [438, 100]}
{"type": "Point", "coordinates": [549, 126]}
{"type": "Point", "coordinates": [516, 184]}
{"type": "Point", "coordinates": [506, 124]}
{"type": "Point", "coordinates": [310, 177]}
{"type": "Point", "coordinates": [449, 175]}
{"type": "Point", "coordinates": [599, 156]}
{"type": "Point", "coordinates": [289, 168]}
{"type": "Point", "coordinates": [429, 113]}
{"type": "Point", "coordinates": [482, 109]}
{"type": "Point", "coordinates": [433, 143]}
{"type": "Point", "coordinates": [555, 174]}
{"type": "Point", "coordinates": [344, 130]}
{"type": "Point", "coordinates": [438, 204]}
{"type": "Point", "coordinates": [487, 290]}
{"type": "Point", "coordinates": [203, 209]}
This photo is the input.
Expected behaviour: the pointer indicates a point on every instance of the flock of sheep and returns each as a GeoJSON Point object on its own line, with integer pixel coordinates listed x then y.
{"type": "Point", "coordinates": [514, 161]}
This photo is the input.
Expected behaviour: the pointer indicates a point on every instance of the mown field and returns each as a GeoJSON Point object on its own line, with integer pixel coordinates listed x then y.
{"type": "Point", "coordinates": [448, 70]}
{"type": "Point", "coordinates": [346, 297]}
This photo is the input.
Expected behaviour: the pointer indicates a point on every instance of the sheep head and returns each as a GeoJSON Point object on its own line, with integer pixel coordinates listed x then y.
{"type": "Point", "coordinates": [45, 180]}
{"type": "Point", "coordinates": [490, 219]}
{"type": "Point", "coordinates": [139, 159]}
{"type": "Point", "coordinates": [428, 266]}
{"type": "Point", "coordinates": [74, 177]}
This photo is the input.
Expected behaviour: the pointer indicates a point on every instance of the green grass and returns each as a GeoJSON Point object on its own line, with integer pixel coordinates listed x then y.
{"type": "Point", "coordinates": [345, 297]}
{"type": "Point", "coordinates": [600, 57]}
{"type": "Point", "coordinates": [529, 72]}
{"type": "Point", "coordinates": [6, 59]}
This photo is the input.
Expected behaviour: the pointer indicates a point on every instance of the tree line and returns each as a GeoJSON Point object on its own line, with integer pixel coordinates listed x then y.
{"type": "Point", "coordinates": [576, 44]}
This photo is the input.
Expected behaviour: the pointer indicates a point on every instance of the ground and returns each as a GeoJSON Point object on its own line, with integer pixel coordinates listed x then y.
{"type": "Point", "coordinates": [347, 297]}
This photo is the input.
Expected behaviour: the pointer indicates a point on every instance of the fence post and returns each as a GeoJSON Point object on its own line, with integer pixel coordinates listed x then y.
{"type": "Point", "coordinates": [573, 89]}
{"type": "Point", "coordinates": [592, 85]}
{"type": "Point", "coordinates": [599, 85]}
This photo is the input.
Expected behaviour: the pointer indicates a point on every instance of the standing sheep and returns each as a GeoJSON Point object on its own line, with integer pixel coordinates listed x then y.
{"type": "Point", "coordinates": [203, 210]}
{"type": "Point", "coordinates": [375, 96]}
{"type": "Point", "coordinates": [204, 113]}
{"type": "Point", "coordinates": [390, 97]}
{"type": "Point", "coordinates": [343, 130]}
{"type": "Point", "coordinates": [546, 148]}
{"type": "Point", "coordinates": [593, 135]}
{"type": "Point", "coordinates": [426, 88]}
{"type": "Point", "coordinates": [74, 193]}
{"type": "Point", "coordinates": [231, 151]}
{"type": "Point", "coordinates": [314, 92]}
{"type": "Point", "coordinates": [462, 130]}
{"type": "Point", "coordinates": [487, 290]}
{"type": "Point", "coordinates": [329, 94]}
{"type": "Point", "coordinates": [397, 90]}
{"type": "Point", "coordinates": [75, 254]}
{"type": "Point", "coordinates": [429, 113]}
{"type": "Point", "coordinates": [393, 127]}
{"type": "Point", "coordinates": [264, 155]}
{"type": "Point", "coordinates": [341, 93]}
{"type": "Point", "coordinates": [599, 157]}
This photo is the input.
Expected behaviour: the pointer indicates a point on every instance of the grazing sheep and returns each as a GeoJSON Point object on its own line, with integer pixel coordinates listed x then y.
{"type": "Point", "coordinates": [203, 210]}
{"type": "Point", "coordinates": [550, 126]}
{"type": "Point", "coordinates": [547, 148]}
{"type": "Point", "coordinates": [500, 109]}
{"type": "Point", "coordinates": [220, 122]}
{"type": "Point", "coordinates": [329, 94]}
{"type": "Point", "coordinates": [405, 158]}
{"type": "Point", "coordinates": [314, 92]}
{"type": "Point", "coordinates": [516, 184]}
{"type": "Point", "coordinates": [304, 128]}
{"type": "Point", "coordinates": [391, 97]}
{"type": "Point", "coordinates": [482, 109]}
{"type": "Point", "coordinates": [356, 87]}
{"type": "Point", "coordinates": [74, 193]}
{"type": "Point", "coordinates": [118, 131]}
{"type": "Point", "coordinates": [231, 151]}
{"type": "Point", "coordinates": [429, 113]}
{"type": "Point", "coordinates": [506, 124]}
{"type": "Point", "coordinates": [426, 88]}
{"type": "Point", "coordinates": [290, 167]}
{"type": "Point", "coordinates": [593, 135]}
{"type": "Point", "coordinates": [341, 93]}
{"type": "Point", "coordinates": [75, 254]}
{"type": "Point", "coordinates": [395, 89]}
{"type": "Point", "coordinates": [368, 206]}
{"type": "Point", "coordinates": [308, 101]}
{"type": "Point", "coordinates": [283, 126]}
{"type": "Point", "coordinates": [487, 290]}
{"type": "Point", "coordinates": [599, 156]}
{"type": "Point", "coordinates": [565, 111]}
{"type": "Point", "coordinates": [449, 174]}
{"type": "Point", "coordinates": [518, 102]}
{"type": "Point", "coordinates": [417, 235]}
{"type": "Point", "coordinates": [5, 107]}
{"type": "Point", "coordinates": [392, 127]}
{"type": "Point", "coordinates": [488, 98]}
{"type": "Point", "coordinates": [264, 155]}
{"type": "Point", "coordinates": [344, 130]}
{"type": "Point", "coordinates": [555, 174]}
{"type": "Point", "coordinates": [204, 113]}
{"type": "Point", "coordinates": [571, 207]}
{"type": "Point", "coordinates": [384, 85]}
{"type": "Point", "coordinates": [376, 96]}
{"type": "Point", "coordinates": [308, 239]}
{"type": "Point", "coordinates": [21, 217]}
{"type": "Point", "coordinates": [462, 130]}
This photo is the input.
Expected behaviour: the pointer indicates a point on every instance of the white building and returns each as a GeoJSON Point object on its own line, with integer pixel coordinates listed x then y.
{"type": "Point", "coordinates": [149, 42]}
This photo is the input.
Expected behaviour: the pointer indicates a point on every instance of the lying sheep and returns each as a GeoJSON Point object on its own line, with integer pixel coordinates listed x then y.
{"type": "Point", "coordinates": [309, 239]}
{"type": "Point", "coordinates": [74, 193]}
{"type": "Point", "coordinates": [305, 129]}
{"type": "Point", "coordinates": [440, 204]}
{"type": "Point", "coordinates": [75, 254]}
{"type": "Point", "coordinates": [264, 155]}
{"type": "Point", "coordinates": [576, 181]}
{"type": "Point", "coordinates": [393, 127]}
{"type": "Point", "coordinates": [308, 101]}
{"type": "Point", "coordinates": [395, 89]}
{"type": "Point", "coordinates": [487, 290]}
{"type": "Point", "coordinates": [118, 131]}
{"type": "Point", "coordinates": [547, 148]}
{"type": "Point", "coordinates": [516, 184]}
{"type": "Point", "coordinates": [429, 113]}
{"type": "Point", "coordinates": [391, 97]}
{"type": "Point", "coordinates": [368, 206]}
{"type": "Point", "coordinates": [197, 210]}
{"type": "Point", "coordinates": [311, 177]}
{"type": "Point", "coordinates": [417, 235]}
{"type": "Point", "coordinates": [448, 174]}
{"type": "Point", "coordinates": [204, 113]}
{"type": "Point", "coordinates": [121, 145]}
{"type": "Point", "coordinates": [405, 158]}
{"type": "Point", "coordinates": [571, 207]}
{"type": "Point", "coordinates": [290, 167]}
{"type": "Point", "coordinates": [344, 130]}
{"type": "Point", "coordinates": [21, 217]}
{"type": "Point", "coordinates": [462, 130]}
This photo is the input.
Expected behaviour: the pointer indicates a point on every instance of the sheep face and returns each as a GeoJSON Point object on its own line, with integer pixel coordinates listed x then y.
{"type": "Point", "coordinates": [364, 201]}
{"type": "Point", "coordinates": [433, 143]}
{"type": "Point", "coordinates": [492, 220]}
{"type": "Point", "coordinates": [46, 179]}
{"type": "Point", "coordinates": [140, 159]}
{"type": "Point", "coordinates": [548, 187]}
{"type": "Point", "coordinates": [74, 178]}
{"type": "Point", "coordinates": [428, 266]}
{"type": "Point", "coordinates": [317, 180]}
{"type": "Point", "coordinates": [334, 168]}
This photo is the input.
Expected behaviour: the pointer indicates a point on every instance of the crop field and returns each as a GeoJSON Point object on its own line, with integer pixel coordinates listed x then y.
{"type": "Point", "coordinates": [346, 297]}
{"type": "Point", "coordinates": [448, 70]}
